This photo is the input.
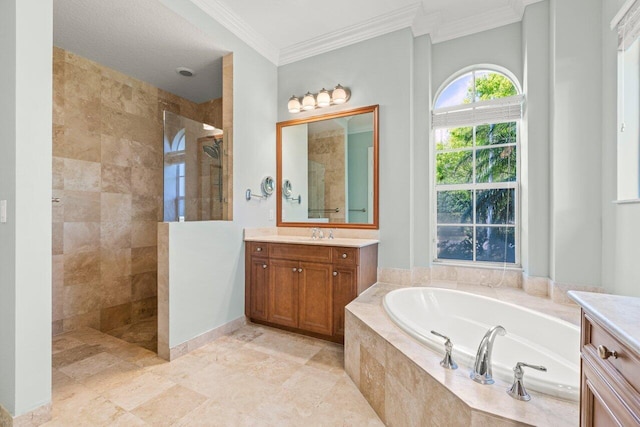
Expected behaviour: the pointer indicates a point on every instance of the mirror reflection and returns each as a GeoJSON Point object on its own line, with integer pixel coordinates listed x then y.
{"type": "Point", "coordinates": [328, 165]}
{"type": "Point", "coordinates": [193, 170]}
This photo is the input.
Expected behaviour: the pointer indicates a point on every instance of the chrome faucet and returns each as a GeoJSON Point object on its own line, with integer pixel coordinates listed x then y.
{"type": "Point", "coordinates": [482, 367]}
{"type": "Point", "coordinates": [314, 232]}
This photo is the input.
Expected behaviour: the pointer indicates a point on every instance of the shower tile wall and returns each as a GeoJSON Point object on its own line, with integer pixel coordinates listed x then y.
{"type": "Point", "coordinates": [328, 149]}
{"type": "Point", "coordinates": [107, 172]}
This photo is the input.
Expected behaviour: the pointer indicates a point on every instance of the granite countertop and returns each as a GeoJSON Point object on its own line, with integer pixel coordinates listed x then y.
{"type": "Point", "coordinates": [304, 240]}
{"type": "Point", "coordinates": [619, 314]}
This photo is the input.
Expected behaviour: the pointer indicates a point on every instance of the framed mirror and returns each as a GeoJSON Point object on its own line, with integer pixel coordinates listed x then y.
{"type": "Point", "coordinates": [330, 165]}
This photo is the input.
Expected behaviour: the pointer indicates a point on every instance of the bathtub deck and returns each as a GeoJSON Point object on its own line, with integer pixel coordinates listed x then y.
{"type": "Point", "coordinates": [404, 383]}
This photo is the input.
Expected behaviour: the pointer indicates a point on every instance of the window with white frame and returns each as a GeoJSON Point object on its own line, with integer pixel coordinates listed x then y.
{"type": "Point", "coordinates": [476, 121]}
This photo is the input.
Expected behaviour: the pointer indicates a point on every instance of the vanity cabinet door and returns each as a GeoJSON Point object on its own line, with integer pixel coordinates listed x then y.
{"type": "Point", "coordinates": [600, 406]}
{"type": "Point", "coordinates": [315, 302]}
{"type": "Point", "coordinates": [345, 290]}
{"type": "Point", "coordinates": [283, 292]}
{"type": "Point", "coordinates": [258, 288]}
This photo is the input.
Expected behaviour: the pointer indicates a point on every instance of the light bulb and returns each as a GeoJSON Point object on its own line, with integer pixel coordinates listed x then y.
{"type": "Point", "coordinates": [324, 98]}
{"type": "Point", "coordinates": [294, 104]}
{"type": "Point", "coordinates": [339, 95]}
{"type": "Point", "coordinates": [308, 102]}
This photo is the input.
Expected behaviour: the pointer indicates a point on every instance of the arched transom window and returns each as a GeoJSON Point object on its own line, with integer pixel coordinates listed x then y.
{"type": "Point", "coordinates": [476, 121]}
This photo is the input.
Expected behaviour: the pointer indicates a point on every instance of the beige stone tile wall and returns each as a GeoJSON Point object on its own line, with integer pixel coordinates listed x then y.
{"type": "Point", "coordinates": [328, 148]}
{"type": "Point", "coordinates": [107, 172]}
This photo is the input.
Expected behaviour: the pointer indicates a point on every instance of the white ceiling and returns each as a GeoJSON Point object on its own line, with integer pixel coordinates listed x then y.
{"type": "Point", "coordinates": [146, 40]}
{"type": "Point", "coordinates": [286, 31]}
{"type": "Point", "coordinates": [143, 39]}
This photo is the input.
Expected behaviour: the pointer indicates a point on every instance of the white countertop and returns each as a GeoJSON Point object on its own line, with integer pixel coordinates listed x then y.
{"type": "Point", "coordinates": [620, 314]}
{"type": "Point", "coordinates": [304, 240]}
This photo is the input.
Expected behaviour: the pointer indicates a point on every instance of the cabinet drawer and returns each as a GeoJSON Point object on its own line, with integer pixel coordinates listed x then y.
{"type": "Point", "coordinates": [345, 256]}
{"type": "Point", "coordinates": [258, 249]}
{"type": "Point", "coordinates": [626, 367]}
{"type": "Point", "coordinates": [300, 252]}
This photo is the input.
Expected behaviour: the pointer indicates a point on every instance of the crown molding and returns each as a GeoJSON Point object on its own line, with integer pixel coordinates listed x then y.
{"type": "Point", "coordinates": [441, 30]}
{"type": "Point", "coordinates": [412, 16]}
{"type": "Point", "coordinates": [238, 27]}
{"type": "Point", "coordinates": [396, 20]}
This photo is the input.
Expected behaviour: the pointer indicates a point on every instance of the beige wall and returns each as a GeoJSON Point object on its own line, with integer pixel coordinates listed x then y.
{"type": "Point", "coordinates": [107, 172]}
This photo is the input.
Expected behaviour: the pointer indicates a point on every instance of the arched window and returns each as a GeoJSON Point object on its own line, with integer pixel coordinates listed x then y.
{"type": "Point", "coordinates": [476, 121]}
{"type": "Point", "coordinates": [174, 177]}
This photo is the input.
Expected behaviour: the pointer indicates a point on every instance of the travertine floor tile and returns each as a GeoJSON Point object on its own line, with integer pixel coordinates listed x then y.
{"type": "Point", "coordinates": [142, 389]}
{"type": "Point", "coordinates": [170, 406]}
{"type": "Point", "coordinates": [287, 346]}
{"type": "Point", "coordinates": [62, 343]}
{"type": "Point", "coordinates": [257, 376]}
{"type": "Point", "coordinates": [216, 413]}
{"type": "Point", "coordinates": [90, 366]}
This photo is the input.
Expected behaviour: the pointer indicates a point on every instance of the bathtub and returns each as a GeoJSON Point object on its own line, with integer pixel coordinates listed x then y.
{"type": "Point", "coordinates": [532, 337]}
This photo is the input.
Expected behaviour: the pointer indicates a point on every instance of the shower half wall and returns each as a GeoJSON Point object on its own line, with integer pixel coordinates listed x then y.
{"type": "Point", "coordinates": [107, 174]}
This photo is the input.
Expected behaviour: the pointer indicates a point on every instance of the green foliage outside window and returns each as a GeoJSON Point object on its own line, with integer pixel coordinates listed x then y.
{"type": "Point", "coordinates": [468, 155]}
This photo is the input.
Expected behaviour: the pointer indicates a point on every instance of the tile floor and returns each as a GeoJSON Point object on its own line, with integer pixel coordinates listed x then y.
{"type": "Point", "coordinates": [256, 376]}
{"type": "Point", "coordinates": [143, 333]}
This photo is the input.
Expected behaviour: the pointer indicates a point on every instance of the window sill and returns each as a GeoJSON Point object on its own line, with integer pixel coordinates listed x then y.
{"type": "Point", "coordinates": [626, 201]}
{"type": "Point", "coordinates": [484, 265]}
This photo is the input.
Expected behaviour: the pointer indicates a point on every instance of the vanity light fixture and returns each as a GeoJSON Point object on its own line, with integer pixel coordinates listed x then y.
{"type": "Point", "coordinates": [324, 98]}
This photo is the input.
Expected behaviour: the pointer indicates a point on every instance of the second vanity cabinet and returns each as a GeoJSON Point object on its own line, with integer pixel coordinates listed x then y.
{"type": "Point", "coordinates": [305, 287]}
{"type": "Point", "coordinates": [610, 386]}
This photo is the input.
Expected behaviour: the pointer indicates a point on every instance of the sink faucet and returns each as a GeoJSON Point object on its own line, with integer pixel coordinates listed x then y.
{"type": "Point", "coordinates": [482, 367]}
{"type": "Point", "coordinates": [321, 233]}
{"type": "Point", "coordinates": [314, 234]}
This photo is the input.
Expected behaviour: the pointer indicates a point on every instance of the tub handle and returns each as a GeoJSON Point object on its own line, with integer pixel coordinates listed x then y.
{"type": "Point", "coordinates": [517, 390]}
{"type": "Point", "coordinates": [447, 362]}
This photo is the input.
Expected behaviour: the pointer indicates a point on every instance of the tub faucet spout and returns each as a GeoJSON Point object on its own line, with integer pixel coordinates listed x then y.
{"type": "Point", "coordinates": [482, 367]}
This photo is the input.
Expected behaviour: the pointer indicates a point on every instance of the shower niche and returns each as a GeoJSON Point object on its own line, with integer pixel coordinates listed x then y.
{"type": "Point", "coordinates": [196, 170]}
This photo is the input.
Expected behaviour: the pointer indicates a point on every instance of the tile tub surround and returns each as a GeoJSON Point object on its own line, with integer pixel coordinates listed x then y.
{"type": "Point", "coordinates": [493, 277]}
{"type": "Point", "coordinates": [256, 376]}
{"type": "Point", "coordinates": [405, 385]}
{"type": "Point", "coordinates": [107, 172]}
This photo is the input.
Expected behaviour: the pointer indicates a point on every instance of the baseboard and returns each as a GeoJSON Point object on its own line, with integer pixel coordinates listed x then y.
{"type": "Point", "coordinates": [172, 353]}
{"type": "Point", "coordinates": [33, 418]}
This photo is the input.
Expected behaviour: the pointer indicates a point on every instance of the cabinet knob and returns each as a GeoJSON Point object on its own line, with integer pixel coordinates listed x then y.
{"type": "Point", "coordinates": [344, 255]}
{"type": "Point", "coordinates": [335, 273]}
{"type": "Point", "coordinates": [294, 269]}
{"type": "Point", "coordinates": [299, 270]}
{"type": "Point", "coordinates": [258, 249]}
{"type": "Point", "coordinates": [264, 265]}
{"type": "Point", "coordinates": [604, 352]}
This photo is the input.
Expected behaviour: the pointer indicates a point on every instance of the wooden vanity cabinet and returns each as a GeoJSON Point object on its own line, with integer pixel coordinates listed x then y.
{"type": "Point", "coordinates": [305, 288]}
{"type": "Point", "coordinates": [610, 386]}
